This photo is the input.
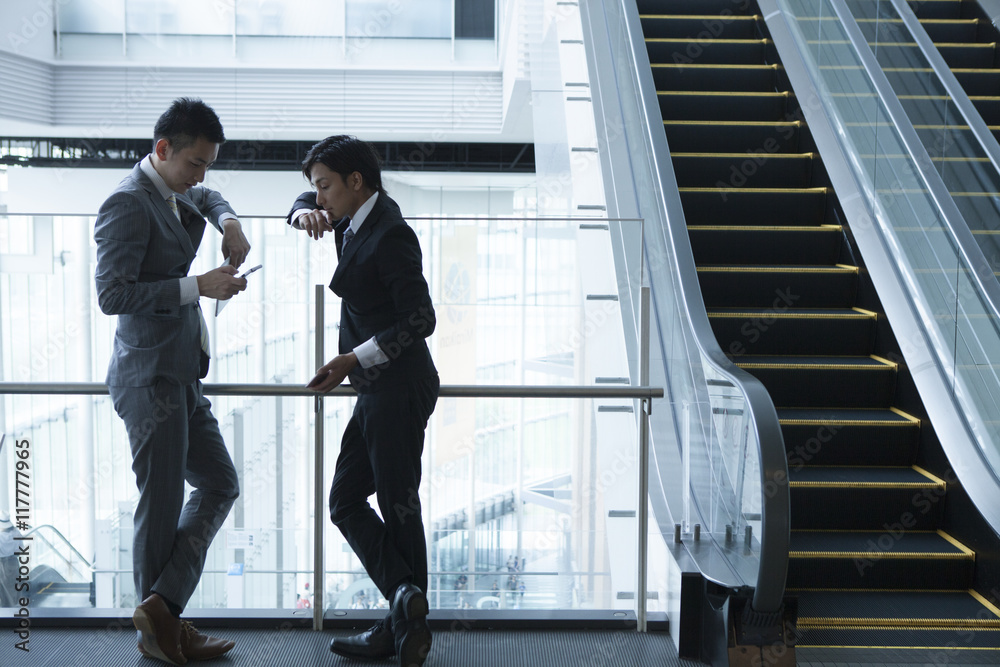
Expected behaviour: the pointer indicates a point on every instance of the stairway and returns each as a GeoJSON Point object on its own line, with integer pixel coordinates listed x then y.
{"type": "Point", "coordinates": [869, 563]}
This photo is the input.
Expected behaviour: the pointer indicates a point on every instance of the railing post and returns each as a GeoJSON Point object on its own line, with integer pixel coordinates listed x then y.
{"type": "Point", "coordinates": [318, 514]}
{"type": "Point", "coordinates": [643, 508]}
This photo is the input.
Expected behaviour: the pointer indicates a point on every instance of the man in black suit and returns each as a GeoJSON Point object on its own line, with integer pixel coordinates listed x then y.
{"type": "Point", "coordinates": [386, 315]}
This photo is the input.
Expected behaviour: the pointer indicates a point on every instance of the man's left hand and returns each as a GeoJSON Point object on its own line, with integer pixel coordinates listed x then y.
{"type": "Point", "coordinates": [333, 373]}
{"type": "Point", "coordinates": [234, 244]}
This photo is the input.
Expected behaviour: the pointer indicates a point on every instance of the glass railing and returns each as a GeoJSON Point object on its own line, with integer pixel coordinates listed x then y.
{"type": "Point", "coordinates": [531, 463]}
{"type": "Point", "coordinates": [948, 282]}
{"type": "Point", "coordinates": [721, 475]}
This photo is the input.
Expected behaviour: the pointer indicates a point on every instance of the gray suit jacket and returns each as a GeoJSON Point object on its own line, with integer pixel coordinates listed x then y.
{"type": "Point", "coordinates": [142, 252]}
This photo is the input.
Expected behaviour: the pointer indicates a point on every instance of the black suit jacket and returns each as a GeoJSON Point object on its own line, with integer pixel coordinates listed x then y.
{"type": "Point", "coordinates": [383, 294]}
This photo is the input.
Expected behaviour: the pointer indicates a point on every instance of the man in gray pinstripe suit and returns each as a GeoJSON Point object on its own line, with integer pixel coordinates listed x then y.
{"type": "Point", "coordinates": [147, 233]}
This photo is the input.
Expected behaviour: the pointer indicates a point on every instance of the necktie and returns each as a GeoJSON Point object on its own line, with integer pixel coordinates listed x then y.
{"type": "Point", "coordinates": [348, 235]}
{"type": "Point", "coordinates": [172, 203]}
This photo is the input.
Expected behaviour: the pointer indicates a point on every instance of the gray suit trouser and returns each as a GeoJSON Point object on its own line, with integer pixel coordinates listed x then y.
{"type": "Point", "coordinates": [174, 438]}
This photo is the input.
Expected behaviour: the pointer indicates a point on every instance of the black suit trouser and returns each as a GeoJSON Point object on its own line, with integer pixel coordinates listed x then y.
{"type": "Point", "coordinates": [380, 453]}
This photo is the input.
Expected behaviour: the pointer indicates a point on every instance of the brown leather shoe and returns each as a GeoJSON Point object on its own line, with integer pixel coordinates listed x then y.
{"type": "Point", "coordinates": [161, 631]}
{"type": "Point", "coordinates": [197, 646]}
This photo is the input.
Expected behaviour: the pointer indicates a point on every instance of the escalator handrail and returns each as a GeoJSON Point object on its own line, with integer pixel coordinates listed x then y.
{"type": "Point", "coordinates": [984, 277]}
{"type": "Point", "coordinates": [775, 501]}
{"type": "Point", "coordinates": [66, 541]}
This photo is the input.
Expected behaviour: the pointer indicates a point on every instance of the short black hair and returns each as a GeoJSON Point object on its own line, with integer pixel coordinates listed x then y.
{"type": "Point", "coordinates": [185, 121]}
{"type": "Point", "coordinates": [344, 155]}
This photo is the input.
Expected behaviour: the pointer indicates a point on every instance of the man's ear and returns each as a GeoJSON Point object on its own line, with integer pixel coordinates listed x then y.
{"type": "Point", "coordinates": [357, 181]}
{"type": "Point", "coordinates": [162, 147]}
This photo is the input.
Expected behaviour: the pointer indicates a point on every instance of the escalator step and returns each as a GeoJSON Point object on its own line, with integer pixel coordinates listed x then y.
{"type": "Point", "coordinates": [865, 498]}
{"type": "Point", "coordinates": [728, 106]}
{"type": "Point", "coordinates": [734, 136]}
{"type": "Point", "coordinates": [738, 244]}
{"type": "Point", "coordinates": [942, 642]}
{"type": "Point", "coordinates": [887, 29]}
{"type": "Point", "coordinates": [758, 286]}
{"type": "Point", "coordinates": [670, 76]}
{"type": "Point", "coordinates": [754, 170]}
{"type": "Point", "coordinates": [844, 437]}
{"type": "Point", "coordinates": [958, 56]}
{"type": "Point", "coordinates": [782, 329]}
{"type": "Point", "coordinates": [700, 26]}
{"type": "Point", "coordinates": [707, 52]}
{"type": "Point", "coordinates": [682, 7]}
{"type": "Point", "coordinates": [956, 609]}
{"type": "Point", "coordinates": [754, 206]}
{"type": "Point", "coordinates": [937, 9]}
{"type": "Point", "coordinates": [979, 81]}
{"type": "Point", "coordinates": [816, 382]}
{"type": "Point", "coordinates": [893, 558]}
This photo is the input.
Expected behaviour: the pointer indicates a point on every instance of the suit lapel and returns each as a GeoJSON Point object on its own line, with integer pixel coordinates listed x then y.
{"type": "Point", "coordinates": [163, 214]}
{"type": "Point", "coordinates": [367, 228]}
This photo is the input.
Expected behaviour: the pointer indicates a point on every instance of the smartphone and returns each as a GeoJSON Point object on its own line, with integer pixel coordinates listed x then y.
{"type": "Point", "coordinates": [249, 271]}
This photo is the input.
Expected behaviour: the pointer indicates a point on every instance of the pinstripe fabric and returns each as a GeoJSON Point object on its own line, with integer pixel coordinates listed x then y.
{"type": "Point", "coordinates": [177, 440]}
{"type": "Point", "coordinates": [143, 250]}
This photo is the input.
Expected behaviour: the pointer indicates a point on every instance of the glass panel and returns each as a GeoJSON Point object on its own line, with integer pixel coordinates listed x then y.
{"type": "Point", "coordinates": [305, 18]}
{"type": "Point", "coordinates": [963, 326]}
{"type": "Point", "coordinates": [539, 476]}
{"type": "Point", "coordinates": [392, 18]}
{"type": "Point", "coordinates": [179, 17]}
{"type": "Point", "coordinates": [97, 16]}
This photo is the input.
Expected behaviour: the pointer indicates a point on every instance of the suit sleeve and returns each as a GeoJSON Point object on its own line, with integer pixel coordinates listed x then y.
{"type": "Point", "coordinates": [211, 204]}
{"type": "Point", "coordinates": [400, 269]}
{"type": "Point", "coordinates": [305, 200]}
{"type": "Point", "coordinates": [122, 236]}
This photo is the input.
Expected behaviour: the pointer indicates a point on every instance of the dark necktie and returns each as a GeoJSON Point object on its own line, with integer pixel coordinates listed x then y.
{"type": "Point", "coordinates": [348, 235]}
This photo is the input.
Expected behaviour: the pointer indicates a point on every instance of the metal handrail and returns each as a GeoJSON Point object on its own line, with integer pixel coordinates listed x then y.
{"type": "Point", "coordinates": [90, 566]}
{"type": "Point", "coordinates": [447, 391]}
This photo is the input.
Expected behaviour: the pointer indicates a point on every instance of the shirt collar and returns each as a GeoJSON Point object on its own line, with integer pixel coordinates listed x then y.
{"type": "Point", "coordinates": [161, 186]}
{"type": "Point", "coordinates": [363, 212]}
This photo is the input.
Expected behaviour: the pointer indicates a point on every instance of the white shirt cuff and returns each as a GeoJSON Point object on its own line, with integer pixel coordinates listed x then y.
{"type": "Point", "coordinates": [370, 354]}
{"type": "Point", "coordinates": [189, 290]}
{"type": "Point", "coordinates": [227, 216]}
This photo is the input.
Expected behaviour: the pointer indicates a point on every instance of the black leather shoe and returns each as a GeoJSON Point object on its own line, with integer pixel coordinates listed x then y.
{"type": "Point", "coordinates": [375, 643]}
{"type": "Point", "coordinates": [409, 625]}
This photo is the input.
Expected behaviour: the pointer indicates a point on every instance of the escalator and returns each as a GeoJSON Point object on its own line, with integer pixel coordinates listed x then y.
{"type": "Point", "coordinates": [871, 563]}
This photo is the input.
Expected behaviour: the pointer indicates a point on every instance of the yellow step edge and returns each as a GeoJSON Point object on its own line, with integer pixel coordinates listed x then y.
{"type": "Point", "coordinates": [842, 422]}
{"type": "Point", "coordinates": [878, 555]}
{"type": "Point", "coordinates": [752, 17]}
{"type": "Point", "coordinates": [800, 156]}
{"type": "Point", "coordinates": [818, 622]}
{"type": "Point", "coordinates": [958, 545]}
{"type": "Point", "coordinates": [870, 313]}
{"type": "Point", "coordinates": [707, 40]}
{"type": "Point", "coordinates": [773, 269]}
{"type": "Point", "coordinates": [726, 93]}
{"type": "Point", "coordinates": [986, 603]}
{"type": "Point", "coordinates": [951, 647]}
{"type": "Point", "coordinates": [765, 228]}
{"type": "Point", "coordinates": [810, 367]}
{"type": "Point", "coordinates": [815, 191]}
{"type": "Point", "coordinates": [806, 589]}
{"type": "Point", "coordinates": [991, 45]}
{"type": "Point", "coordinates": [886, 20]}
{"type": "Point", "coordinates": [773, 66]}
{"type": "Point", "coordinates": [739, 123]}
{"type": "Point", "coordinates": [787, 316]}
{"type": "Point", "coordinates": [940, 482]}
{"type": "Point", "coordinates": [905, 415]}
